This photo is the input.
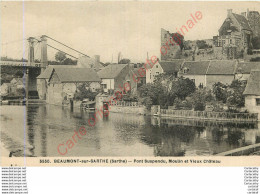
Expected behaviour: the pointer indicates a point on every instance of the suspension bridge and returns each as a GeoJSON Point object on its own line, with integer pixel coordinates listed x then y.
{"type": "Point", "coordinates": [33, 66]}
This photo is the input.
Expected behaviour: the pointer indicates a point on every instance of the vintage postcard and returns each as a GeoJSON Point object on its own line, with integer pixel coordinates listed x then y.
{"type": "Point", "coordinates": [131, 83]}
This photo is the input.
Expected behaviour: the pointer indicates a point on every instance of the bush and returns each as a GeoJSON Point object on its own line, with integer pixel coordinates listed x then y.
{"type": "Point", "coordinates": [199, 106]}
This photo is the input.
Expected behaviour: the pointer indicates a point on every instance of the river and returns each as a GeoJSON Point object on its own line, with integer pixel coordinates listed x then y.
{"type": "Point", "coordinates": [41, 128]}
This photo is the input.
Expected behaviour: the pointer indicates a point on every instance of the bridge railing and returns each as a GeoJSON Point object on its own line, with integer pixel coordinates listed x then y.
{"type": "Point", "coordinates": [19, 64]}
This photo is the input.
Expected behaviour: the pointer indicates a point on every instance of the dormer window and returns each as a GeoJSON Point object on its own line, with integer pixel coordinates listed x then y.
{"type": "Point", "coordinates": [185, 70]}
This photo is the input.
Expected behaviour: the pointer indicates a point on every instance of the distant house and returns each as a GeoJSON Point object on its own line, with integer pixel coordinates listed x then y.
{"type": "Point", "coordinates": [207, 73]}
{"type": "Point", "coordinates": [43, 79]}
{"type": "Point", "coordinates": [114, 76]}
{"type": "Point", "coordinates": [167, 67]}
{"type": "Point", "coordinates": [244, 69]}
{"type": "Point", "coordinates": [220, 71]}
{"type": "Point", "coordinates": [195, 71]}
{"type": "Point", "coordinates": [235, 34]}
{"type": "Point", "coordinates": [252, 93]}
{"type": "Point", "coordinates": [62, 83]}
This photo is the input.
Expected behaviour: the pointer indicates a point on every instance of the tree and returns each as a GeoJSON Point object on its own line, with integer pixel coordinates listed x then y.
{"type": "Point", "coordinates": [183, 87]}
{"type": "Point", "coordinates": [165, 90]}
{"type": "Point", "coordinates": [256, 42]}
{"type": "Point", "coordinates": [60, 56]}
{"type": "Point", "coordinates": [202, 44]}
{"type": "Point", "coordinates": [69, 61]}
{"type": "Point", "coordinates": [84, 92]}
{"type": "Point", "coordinates": [199, 99]}
{"type": "Point", "coordinates": [124, 61]}
{"type": "Point", "coordinates": [178, 39]}
{"type": "Point", "coordinates": [236, 97]}
{"type": "Point", "coordinates": [220, 91]}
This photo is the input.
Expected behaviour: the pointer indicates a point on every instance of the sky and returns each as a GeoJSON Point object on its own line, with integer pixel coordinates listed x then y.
{"type": "Point", "coordinates": [107, 28]}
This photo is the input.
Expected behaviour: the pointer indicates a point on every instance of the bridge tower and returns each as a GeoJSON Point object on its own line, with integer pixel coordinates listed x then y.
{"type": "Point", "coordinates": [44, 58]}
{"type": "Point", "coordinates": [41, 83]}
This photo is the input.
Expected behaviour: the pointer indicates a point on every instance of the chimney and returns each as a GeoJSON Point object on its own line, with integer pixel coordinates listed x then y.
{"type": "Point", "coordinates": [97, 58]}
{"type": "Point", "coordinates": [243, 14]}
{"type": "Point", "coordinates": [229, 12]}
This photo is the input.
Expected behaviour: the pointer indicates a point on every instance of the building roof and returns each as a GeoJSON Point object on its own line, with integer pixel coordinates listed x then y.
{"type": "Point", "coordinates": [253, 84]}
{"type": "Point", "coordinates": [218, 67]}
{"type": "Point", "coordinates": [47, 72]}
{"type": "Point", "coordinates": [111, 71]}
{"type": "Point", "coordinates": [222, 67]}
{"type": "Point", "coordinates": [246, 67]}
{"type": "Point", "coordinates": [17, 79]}
{"type": "Point", "coordinates": [77, 75]}
{"type": "Point", "coordinates": [196, 67]}
{"type": "Point", "coordinates": [242, 21]}
{"type": "Point", "coordinates": [171, 66]}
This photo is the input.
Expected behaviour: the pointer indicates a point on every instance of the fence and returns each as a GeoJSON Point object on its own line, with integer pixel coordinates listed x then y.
{"type": "Point", "coordinates": [210, 115]}
{"type": "Point", "coordinates": [123, 103]}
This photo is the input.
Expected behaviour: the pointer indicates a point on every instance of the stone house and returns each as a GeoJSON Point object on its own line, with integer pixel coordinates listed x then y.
{"type": "Point", "coordinates": [235, 35]}
{"type": "Point", "coordinates": [207, 73]}
{"type": "Point", "coordinates": [62, 83]}
{"type": "Point", "coordinates": [114, 76]}
{"type": "Point", "coordinates": [252, 93]}
{"type": "Point", "coordinates": [195, 71]}
{"type": "Point", "coordinates": [220, 71]}
{"type": "Point", "coordinates": [167, 67]}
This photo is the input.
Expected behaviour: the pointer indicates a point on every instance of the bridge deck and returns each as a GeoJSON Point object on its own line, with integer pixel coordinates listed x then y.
{"type": "Point", "coordinates": [19, 64]}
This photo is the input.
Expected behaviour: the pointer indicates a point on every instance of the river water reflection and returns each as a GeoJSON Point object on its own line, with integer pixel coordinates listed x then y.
{"type": "Point", "coordinates": [44, 127]}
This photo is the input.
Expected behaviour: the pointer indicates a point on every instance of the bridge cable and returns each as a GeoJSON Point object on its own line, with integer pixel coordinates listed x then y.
{"type": "Point", "coordinates": [61, 51]}
{"type": "Point", "coordinates": [67, 46]}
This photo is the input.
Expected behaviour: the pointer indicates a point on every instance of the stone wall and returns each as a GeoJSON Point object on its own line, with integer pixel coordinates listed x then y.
{"type": "Point", "coordinates": [129, 109]}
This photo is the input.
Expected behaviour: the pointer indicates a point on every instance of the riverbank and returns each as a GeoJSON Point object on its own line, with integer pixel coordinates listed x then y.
{"type": "Point", "coordinates": [243, 151]}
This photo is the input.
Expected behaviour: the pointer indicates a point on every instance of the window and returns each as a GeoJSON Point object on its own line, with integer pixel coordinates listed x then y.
{"type": "Point", "coordinates": [201, 85]}
{"type": "Point", "coordinates": [135, 65]}
{"type": "Point", "coordinates": [257, 100]}
{"type": "Point", "coordinates": [104, 86]}
{"type": "Point", "coordinates": [185, 70]}
{"type": "Point", "coordinates": [150, 75]}
{"type": "Point", "coordinates": [156, 66]}
{"type": "Point", "coordinates": [165, 35]}
{"type": "Point", "coordinates": [157, 73]}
